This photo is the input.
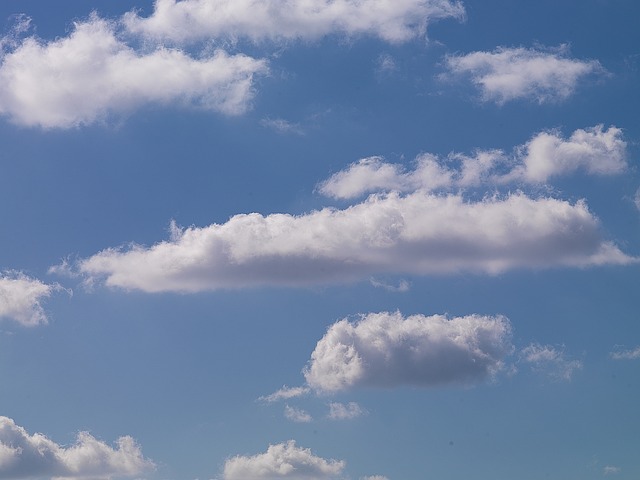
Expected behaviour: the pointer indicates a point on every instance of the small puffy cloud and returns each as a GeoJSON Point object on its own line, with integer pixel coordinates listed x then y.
{"type": "Point", "coordinates": [21, 298]}
{"type": "Point", "coordinates": [611, 470]}
{"type": "Point", "coordinates": [92, 74]}
{"type": "Point", "coordinates": [26, 456]}
{"type": "Point", "coordinates": [283, 460]}
{"type": "Point", "coordinates": [345, 411]}
{"type": "Point", "coordinates": [512, 73]}
{"type": "Point", "coordinates": [374, 477]}
{"type": "Point", "coordinates": [386, 350]}
{"type": "Point", "coordinates": [420, 234]}
{"type": "Point", "coordinates": [550, 360]}
{"type": "Point", "coordinates": [636, 199]}
{"type": "Point", "coordinates": [374, 174]}
{"type": "Point", "coordinates": [297, 415]}
{"type": "Point", "coordinates": [282, 20]}
{"type": "Point", "coordinates": [633, 354]}
{"type": "Point", "coordinates": [594, 150]}
{"type": "Point", "coordinates": [285, 393]}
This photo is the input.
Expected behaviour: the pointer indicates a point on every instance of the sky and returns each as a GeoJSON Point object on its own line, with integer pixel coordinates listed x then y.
{"type": "Point", "coordinates": [319, 240]}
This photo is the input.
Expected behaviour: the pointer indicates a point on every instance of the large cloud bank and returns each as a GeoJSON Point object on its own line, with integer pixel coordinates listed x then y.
{"type": "Point", "coordinates": [189, 20]}
{"type": "Point", "coordinates": [507, 74]}
{"type": "Point", "coordinates": [417, 234]}
{"type": "Point", "coordinates": [93, 74]}
{"type": "Point", "coordinates": [35, 456]}
{"type": "Point", "coordinates": [594, 150]}
{"type": "Point", "coordinates": [21, 298]}
{"type": "Point", "coordinates": [283, 460]}
{"type": "Point", "coordinates": [387, 350]}
{"type": "Point", "coordinates": [104, 69]}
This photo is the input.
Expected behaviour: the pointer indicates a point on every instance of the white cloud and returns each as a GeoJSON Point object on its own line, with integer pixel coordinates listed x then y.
{"type": "Point", "coordinates": [21, 297]}
{"type": "Point", "coordinates": [27, 456]}
{"type": "Point", "coordinates": [283, 460]}
{"type": "Point", "coordinates": [402, 286]}
{"type": "Point", "coordinates": [275, 20]}
{"type": "Point", "coordinates": [611, 470]}
{"type": "Point", "coordinates": [92, 74]}
{"type": "Point", "coordinates": [374, 477]}
{"type": "Point", "coordinates": [345, 411]}
{"type": "Point", "coordinates": [297, 415]}
{"type": "Point", "coordinates": [418, 234]}
{"type": "Point", "coordinates": [385, 64]}
{"type": "Point", "coordinates": [282, 126]}
{"type": "Point", "coordinates": [285, 393]}
{"type": "Point", "coordinates": [594, 150]}
{"type": "Point", "coordinates": [511, 73]}
{"type": "Point", "coordinates": [626, 354]}
{"type": "Point", "coordinates": [636, 199]}
{"type": "Point", "coordinates": [386, 350]}
{"type": "Point", "coordinates": [373, 174]}
{"type": "Point", "coordinates": [550, 360]}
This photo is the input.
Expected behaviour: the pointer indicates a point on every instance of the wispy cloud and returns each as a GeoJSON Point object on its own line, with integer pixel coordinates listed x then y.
{"type": "Point", "coordinates": [538, 74]}
{"type": "Point", "coordinates": [595, 150]}
{"type": "Point", "coordinates": [285, 20]}
{"type": "Point", "coordinates": [285, 393]}
{"type": "Point", "coordinates": [550, 360]}
{"type": "Point", "coordinates": [21, 298]}
{"type": "Point", "coordinates": [402, 286]}
{"type": "Point", "coordinates": [283, 460]}
{"type": "Point", "coordinates": [345, 411]}
{"type": "Point", "coordinates": [297, 415]}
{"type": "Point", "coordinates": [611, 470]}
{"type": "Point", "coordinates": [35, 456]}
{"type": "Point", "coordinates": [387, 349]}
{"type": "Point", "coordinates": [282, 126]}
{"type": "Point", "coordinates": [621, 354]}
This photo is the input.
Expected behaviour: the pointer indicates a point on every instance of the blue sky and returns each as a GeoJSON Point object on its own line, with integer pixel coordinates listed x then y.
{"type": "Point", "coordinates": [314, 240]}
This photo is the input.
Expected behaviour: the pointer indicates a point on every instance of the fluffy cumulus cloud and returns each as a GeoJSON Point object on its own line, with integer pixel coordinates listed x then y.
{"type": "Point", "coordinates": [284, 460]}
{"type": "Point", "coordinates": [35, 456]}
{"type": "Point", "coordinates": [21, 298]}
{"type": "Point", "coordinates": [345, 411]}
{"type": "Point", "coordinates": [257, 20]}
{"type": "Point", "coordinates": [507, 74]}
{"type": "Point", "coordinates": [387, 350]}
{"type": "Point", "coordinates": [550, 360]}
{"type": "Point", "coordinates": [418, 234]}
{"type": "Point", "coordinates": [92, 74]}
{"type": "Point", "coordinates": [595, 150]}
